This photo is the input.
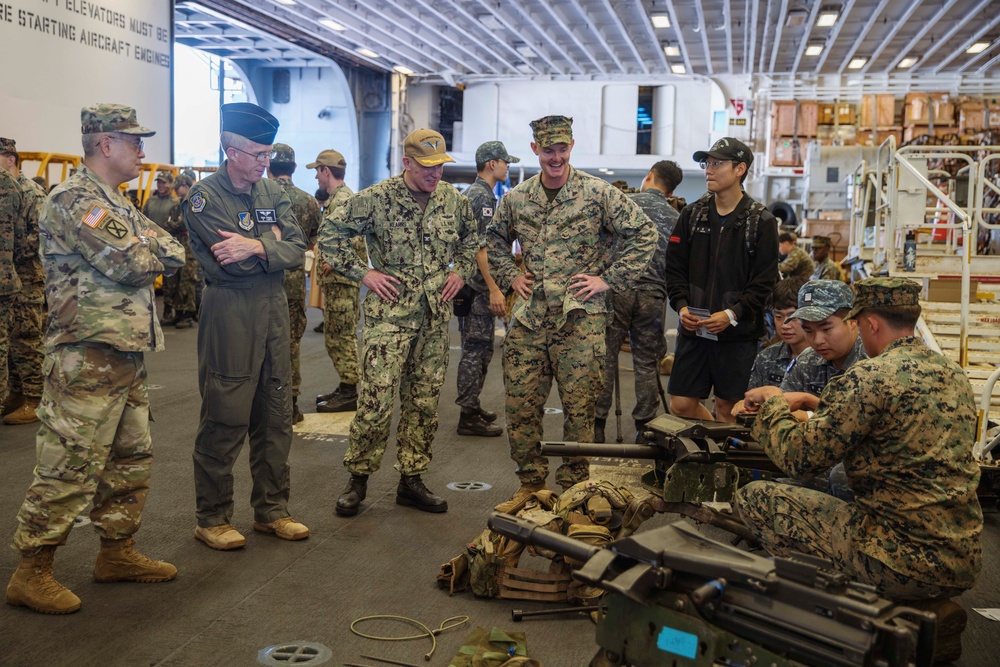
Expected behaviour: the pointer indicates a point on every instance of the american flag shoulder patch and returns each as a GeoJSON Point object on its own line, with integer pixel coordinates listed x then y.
{"type": "Point", "coordinates": [94, 216]}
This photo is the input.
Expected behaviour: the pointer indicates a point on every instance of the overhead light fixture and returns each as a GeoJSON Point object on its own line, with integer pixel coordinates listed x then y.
{"type": "Point", "coordinates": [907, 63]}
{"type": "Point", "coordinates": [857, 63]}
{"type": "Point", "coordinates": [814, 49]}
{"type": "Point", "coordinates": [525, 50]}
{"type": "Point", "coordinates": [402, 69]}
{"type": "Point", "coordinates": [978, 47]}
{"type": "Point", "coordinates": [332, 25]}
{"type": "Point", "coordinates": [796, 17]}
{"type": "Point", "coordinates": [678, 69]}
{"type": "Point", "coordinates": [828, 17]}
{"type": "Point", "coordinates": [525, 68]}
{"type": "Point", "coordinates": [671, 50]}
{"type": "Point", "coordinates": [660, 20]}
{"type": "Point", "coordinates": [367, 53]}
{"type": "Point", "coordinates": [490, 21]}
{"type": "Point", "coordinates": [286, 2]}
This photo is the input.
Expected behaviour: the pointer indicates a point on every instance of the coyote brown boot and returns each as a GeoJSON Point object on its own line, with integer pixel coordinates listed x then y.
{"type": "Point", "coordinates": [119, 561]}
{"type": "Point", "coordinates": [516, 503]}
{"type": "Point", "coordinates": [222, 537]}
{"type": "Point", "coordinates": [951, 620]}
{"type": "Point", "coordinates": [24, 413]}
{"type": "Point", "coordinates": [34, 587]}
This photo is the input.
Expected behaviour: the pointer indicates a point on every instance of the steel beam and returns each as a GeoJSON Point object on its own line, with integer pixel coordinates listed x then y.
{"type": "Point", "coordinates": [617, 20]}
{"type": "Point", "coordinates": [879, 8]}
{"type": "Point", "coordinates": [541, 53]}
{"type": "Point", "coordinates": [572, 35]}
{"type": "Point", "coordinates": [975, 13]}
{"type": "Point", "coordinates": [672, 13]}
{"type": "Point", "coordinates": [834, 33]}
{"type": "Point", "coordinates": [902, 20]}
{"type": "Point", "coordinates": [905, 51]}
{"type": "Point", "coordinates": [782, 14]}
{"type": "Point", "coordinates": [702, 31]}
{"type": "Point", "coordinates": [969, 42]}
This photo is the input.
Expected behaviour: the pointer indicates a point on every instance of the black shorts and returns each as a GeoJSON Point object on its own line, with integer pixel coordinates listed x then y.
{"type": "Point", "coordinates": [701, 365]}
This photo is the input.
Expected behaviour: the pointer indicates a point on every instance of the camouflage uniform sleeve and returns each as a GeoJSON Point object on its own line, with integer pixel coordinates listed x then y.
{"type": "Point", "coordinates": [638, 237]}
{"type": "Point", "coordinates": [498, 245]}
{"type": "Point", "coordinates": [795, 377]}
{"type": "Point", "coordinates": [175, 221]}
{"type": "Point", "coordinates": [313, 221]}
{"type": "Point", "coordinates": [338, 231]}
{"type": "Point", "coordinates": [469, 242]}
{"type": "Point", "coordinates": [794, 260]}
{"type": "Point", "coordinates": [166, 248]}
{"type": "Point", "coordinates": [10, 223]}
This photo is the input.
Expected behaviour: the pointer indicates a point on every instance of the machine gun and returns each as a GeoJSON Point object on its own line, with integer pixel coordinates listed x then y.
{"type": "Point", "coordinates": [695, 462]}
{"type": "Point", "coordinates": [678, 598]}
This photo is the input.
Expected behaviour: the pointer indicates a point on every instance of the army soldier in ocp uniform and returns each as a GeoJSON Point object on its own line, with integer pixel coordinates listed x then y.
{"type": "Point", "coordinates": [423, 239]}
{"type": "Point", "coordinates": [245, 236]}
{"type": "Point", "coordinates": [184, 283]}
{"type": "Point", "coordinates": [157, 208]}
{"type": "Point", "coordinates": [307, 214]}
{"type": "Point", "coordinates": [101, 257]}
{"type": "Point", "coordinates": [566, 222]}
{"type": "Point", "coordinates": [11, 226]}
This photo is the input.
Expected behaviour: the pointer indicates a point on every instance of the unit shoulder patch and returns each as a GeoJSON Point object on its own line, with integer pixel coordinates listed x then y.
{"type": "Point", "coordinates": [245, 221]}
{"type": "Point", "coordinates": [198, 202]}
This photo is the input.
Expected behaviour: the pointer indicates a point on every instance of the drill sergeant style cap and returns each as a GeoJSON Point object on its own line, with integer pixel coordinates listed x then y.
{"type": "Point", "coordinates": [165, 176]}
{"type": "Point", "coordinates": [552, 130]}
{"type": "Point", "coordinates": [427, 147]}
{"type": "Point", "coordinates": [821, 242]}
{"type": "Point", "coordinates": [727, 148]}
{"type": "Point", "coordinates": [250, 122]}
{"type": "Point", "coordinates": [283, 154]}
{"type": "Point", "coordinates": [111, 118]}
{"type": "Point", "coordinates": [329, 158]}
{"type": "Point", "coordinates": [819, 299]}
{"type": "Point", "coordinates": [494, 150]}
{"type": "Point", "coordinates": [7, 146]}
{"type": "Point", "coordinates": [882, 292]}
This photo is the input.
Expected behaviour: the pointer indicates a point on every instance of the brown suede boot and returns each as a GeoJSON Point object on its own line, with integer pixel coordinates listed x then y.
{"type": "Point", "coordinates": [119, 561]}
{"type": "Point", "coordinates": [12, 403]}
{"type": "Point", "coordinates": [24, 414]}
{"type": "Point", "coordinates": [951, 620]}
{"type": "Point", "coordinates": [520, 498]}
{"type": "Point", "coordinates": [34, 587]}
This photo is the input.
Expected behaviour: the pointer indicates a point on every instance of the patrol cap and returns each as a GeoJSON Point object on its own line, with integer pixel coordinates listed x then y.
{"type": "Point", "coordinates": [283, 153]}
{"type": "Point", "coordinates": [727, 148]}
{"type": "Point", "coordinates": [328, 158]}
{"type": "Point", "coordinates": [249, 121]}
{"type": "Point", "coordinates": [494, 150]}
{"type": "Point", "coordinates": [190, 174]}
{"type": "Point", "coordinates": [111, 118]}
{"type": "Point", "coordinates": [182, 180]}
{"type": "Point", "coordinates": [819, 299]}
{"type": "Point", "coordinates": [552, 130]}
{"type": "Point", "coordinates": [165, 175]}
{"type": "Point", "coordinates": [8, 146]}
{"type": "Point", "coordinates": [427, 147]}
{"type": "Point", "coordinates": [821, 242]}
{"type": "Point", "coordinates": [881, 292]}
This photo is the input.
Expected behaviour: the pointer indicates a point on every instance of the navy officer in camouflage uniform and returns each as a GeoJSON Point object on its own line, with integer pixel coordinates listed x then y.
{"type": "Point", "coordinates": [244, 233]}
{"type": "Point", "coordinates": [488, 302]}
{"type": "Point", "coordinates": [567, 223]}
{"type": "Point", "coordinates": [422, 239]}
{"type": "Point", "coordinates": [904, 423]}
{"type": "Point", "coordinates": [101, 257]}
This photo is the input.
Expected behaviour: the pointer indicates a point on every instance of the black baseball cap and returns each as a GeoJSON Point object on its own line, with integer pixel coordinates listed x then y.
{"type": "Point", "coordinates": [727, 148]}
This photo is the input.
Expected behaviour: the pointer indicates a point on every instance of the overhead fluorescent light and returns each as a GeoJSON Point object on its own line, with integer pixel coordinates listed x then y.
{"type": "Point", "coordinates": [286, 2]}
{"type": "Point", "coordinates": [857, 63]}
{"type": "Point", "coordinates": [367, 53]}
{"type": "Point", "coordinates": [906, 63]}
{"type": "Point", "coordinates": [490, 21]}
{"type": "Point", "coordinates": [525, 50]}
{"type": "Point", "coordinates": [671, 50]}
{"type": "Point", "coordinates": [796, 17]}
{"type": "Point", "coordinates": [402, 69]}
{"type": "Point", "coordinates": [978, 47]}
{"type": "Point", "coordinates": [678, 69]}
{"type": "Point", "coordinates": [525, 68]}
{"type": "Point", "coordinates": [828, 17]}
{"type": "Point", "coordinates": [332, 25]}
{"type": "Point", "coordinates": [660, 20]}
{"type": "Point", "coordinates": [814, 49]}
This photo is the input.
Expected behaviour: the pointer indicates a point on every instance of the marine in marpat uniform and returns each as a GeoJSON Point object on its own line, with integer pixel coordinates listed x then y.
{"type": "Point", "coordinates": [27, 351]}
{"type": "Point", "coordinates": [184, 283]}
{"type": "Point", "coordinates": [101, 257]}
{"type": "Point", "coordinates": [423, 240]}
{"type": "Point", "coordinates": [903, 422]}
{"type": "Point", "coordinates": [307, 214]}
{"type": "Point", "coordinates": [826, 268]}
{"type": "Point", "coordinates": [795, 263]}
{"type": "Point", "coordinates": [10, 284]}
{"type": "Point", "coordinates": [244, 234]}
{"type": "Point", "coordinates": [566, 222]}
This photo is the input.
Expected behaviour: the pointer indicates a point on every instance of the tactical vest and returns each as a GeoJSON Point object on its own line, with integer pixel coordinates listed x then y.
{"type": "Point", "coordinates": [750, 215]}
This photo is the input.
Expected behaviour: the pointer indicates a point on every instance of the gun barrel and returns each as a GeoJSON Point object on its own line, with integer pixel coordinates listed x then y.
{"type": "Point", "coordinates": [531, 534]}
{"type": "Point", "coordinates": [609, 451]}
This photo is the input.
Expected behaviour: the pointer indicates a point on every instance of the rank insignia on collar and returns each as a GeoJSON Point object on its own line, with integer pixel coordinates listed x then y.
{"type": "Point", "coordinates": [246, 222]}
{"type": "Point", "coordinates": [198, 202]}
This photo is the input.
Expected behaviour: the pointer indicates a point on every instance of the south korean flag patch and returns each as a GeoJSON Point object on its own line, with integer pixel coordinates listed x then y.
{"type": "Point", "coordinates": [487, 212]}
{"type": "Point", "coordinates": [246, 222]}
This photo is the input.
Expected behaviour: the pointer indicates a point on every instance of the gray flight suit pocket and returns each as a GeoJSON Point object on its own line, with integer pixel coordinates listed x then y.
{"type": "Point", "coordinates": [229, 398]}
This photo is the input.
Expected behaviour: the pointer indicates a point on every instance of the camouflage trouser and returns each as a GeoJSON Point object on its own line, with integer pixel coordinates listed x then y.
{"type": "Point", "coordinates": [476, 330]}
{"type": "Point", "coordinates": [639, 315]}
{"type": "Point", "coordinates": [789, 519]}
{"type": "Point", "coordinates": [574, 356]}
{"type": "Point", "coordinates": [295, 292]}
{"type": "Point", "coordinates": [24, 361]}
{"type": "Point", "coordinates": [340, 326]}
{"type": "Point", "coordinates": [179, 289]}
{"type": "Point", "coordinates": [415, 360]}
{"type": "Point", "coordinates": [93, 445]}
{"type": "Point", "coordinates": [6, 319]}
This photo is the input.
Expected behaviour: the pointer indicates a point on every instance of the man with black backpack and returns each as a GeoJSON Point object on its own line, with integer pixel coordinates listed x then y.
{"type": "Point", "coordinates": [722, 263]}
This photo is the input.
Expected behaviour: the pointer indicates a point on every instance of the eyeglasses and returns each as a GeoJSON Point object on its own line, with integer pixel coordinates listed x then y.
{"type": "Point", "coordinates": [138, 146]}
{"type": "Point", "coordinates": [713, 164]}
{"type": "Point", "coordinates": [263, 156]}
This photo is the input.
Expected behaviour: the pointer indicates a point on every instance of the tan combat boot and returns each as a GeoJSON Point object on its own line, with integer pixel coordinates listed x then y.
{"type": "Point", "coordinates": [119, 561]}
{"type": "Point", "coordinates": [34, 587]}
{"type": "Point", "coordinates": [222, 537]}
{"type": "Point", "coordinates": [24, 414]}
{"type": "Point", "coordinates": [951, 621]}
{"type": "Point", "coordinates": [286, 528]}
{"type": "Point", "coordinates": [520, 498]}
{"type": "Point", "coordinates": [12, 403]}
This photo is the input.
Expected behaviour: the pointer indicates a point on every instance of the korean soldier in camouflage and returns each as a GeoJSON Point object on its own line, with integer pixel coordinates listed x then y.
{"type": "Point", "coordinates": [26, 348]}
{"type": "Point", "coordinates": [101, 257]}
{"type": "Point", "coordinates": [488, 303]}
{"type": "Point", "coordinates": [423, 239]}
{"type": "Point", "coordinates": [826, 268]}
{"type": "Point", "coordinates": [157, 208]}
{"type": "Point", "coordinates": [183, 284]}
{"type": "Point", "coordinates": [11, 229]}
{"type": "Point", "coordinates": [637, 315]}
{"type": "Point", "coordinates": [340, 294]}
{"type": "Point", "coordinates": [566, 222]}
{"type": "Point", "coordinates": [244, 234]}
{"type": "Point", "coordinates": [773, 361]}
{"type": "Point", "coordinates": [307, 214]}
{"type": "Point", "coordinates": [903, 422]}
{"type": "Point", "coordinates": [796, 263]}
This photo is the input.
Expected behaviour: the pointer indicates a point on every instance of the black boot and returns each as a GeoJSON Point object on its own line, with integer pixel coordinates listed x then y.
{"type": "Point", "coordinates": [412, 492]}
{"type": "Point", "coordinates": [321, 398]}
{"type": "Point", "coordinates": [350, 500]}
{"type": "Point", "coordinates": [184, 320]}
{"type": "Point", "coordinates": [471, 423]}
{"type": "Point", "coordinates": [488, 417]}
{"type": "Point", "coordinates": [640, 430]}
{"type": "Point", "coordinates": [599, 425]}
{"type": "Point", "coordinates": [297, 415]}
{"type": "Point", "coordinates": [169, 317]}
{"type": "Point", "coordinates": [345, 399]}
{"type": "Point", "coordinates": [319, 327]}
